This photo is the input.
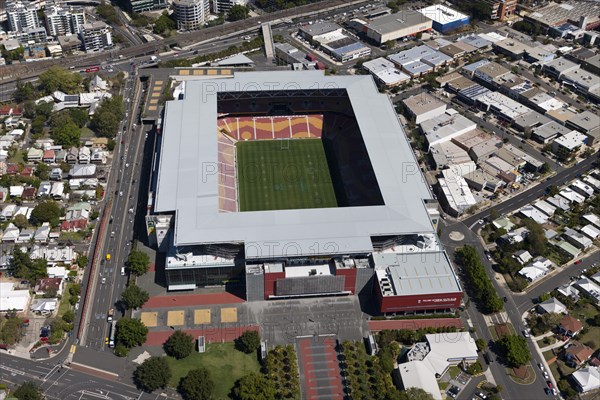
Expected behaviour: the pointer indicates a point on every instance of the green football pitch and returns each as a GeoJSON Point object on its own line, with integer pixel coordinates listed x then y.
{"type": "Point", "coordinates": [283, 174]}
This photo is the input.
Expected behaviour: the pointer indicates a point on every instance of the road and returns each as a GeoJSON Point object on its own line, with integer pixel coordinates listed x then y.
{"type": "Point", "coordinates": [62, 383]}
{"type": "Point", "coordinates": [13, 72]}
{"type": "Point", "coordinates": [534, 192]}
{"type": "Point", "coordinates": [516, 304]}
{"type": "Point", "coordinates": [111, 278]}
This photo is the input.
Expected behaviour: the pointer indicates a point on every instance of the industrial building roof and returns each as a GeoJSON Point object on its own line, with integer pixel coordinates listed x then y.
{"type": "Point", "coordinates": [188, 181]}
{"type": "Point", "coordinates": [449, 124]}
{"type": "Point", "coordinates": [586, 121]}
{"type": "Point", "coordinates": [571, 140]}
{"type": "Point", "coordinates": [442, 14]}
{"type": "Point", "coordinates": [394, 22]}
{"type": "Point", "coordinates": [385, 70]}
{"type": "Point", "coordinates": [417, 273]}
{"type": "Point", "coordinates": [423, 102]}
{"type": "Point", "coordinates": [558, 13]}
{"type": "Point", "coordinates": [320, 28]}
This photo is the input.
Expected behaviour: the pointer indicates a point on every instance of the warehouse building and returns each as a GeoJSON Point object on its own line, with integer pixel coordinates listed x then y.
{"type": "Point", "coordinates": [396, 26]}
{"type": "Point", "coordinates": [446, 127]}
{"type": "Point", "coordinates": [424, 106]}
{"type": "Point", "coordinates": [445, 19]}
{"type": "Point", "coordinates": [385, 72]}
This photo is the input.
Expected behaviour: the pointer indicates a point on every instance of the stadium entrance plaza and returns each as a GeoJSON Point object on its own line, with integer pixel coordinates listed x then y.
{"type": "Point", "coordinates": [280, 322]}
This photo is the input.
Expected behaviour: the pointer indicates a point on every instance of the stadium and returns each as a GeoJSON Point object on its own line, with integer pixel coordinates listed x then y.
{"type": "Point", "coordinates": [296, 184]}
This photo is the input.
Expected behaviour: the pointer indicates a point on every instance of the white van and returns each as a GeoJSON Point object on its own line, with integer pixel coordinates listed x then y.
{"type": "Point", "coordinates": [122, 271]}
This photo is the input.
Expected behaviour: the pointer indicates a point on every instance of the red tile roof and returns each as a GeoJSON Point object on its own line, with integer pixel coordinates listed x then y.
{"type": "Point", "coordinates": [569, 323]}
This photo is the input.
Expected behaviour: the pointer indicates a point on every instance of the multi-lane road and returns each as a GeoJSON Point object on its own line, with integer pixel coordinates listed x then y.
{"type": "Point", "coordinates": [110, 275]}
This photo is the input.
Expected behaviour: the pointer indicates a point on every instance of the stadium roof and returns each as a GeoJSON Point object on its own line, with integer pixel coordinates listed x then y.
{"type": "Point", "coordinates": [188, 180]}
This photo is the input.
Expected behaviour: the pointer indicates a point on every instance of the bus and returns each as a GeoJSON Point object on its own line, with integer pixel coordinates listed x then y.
{"type": "Point", "coordinates": [111, 338]}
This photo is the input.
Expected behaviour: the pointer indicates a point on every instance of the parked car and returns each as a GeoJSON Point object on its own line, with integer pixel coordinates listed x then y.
{"type": "Point", "coordinates": [526, 333]}
{"type": "Point", "coordinates": [550, 386]}
{"type": "Point", "coordinates": [541, 366]}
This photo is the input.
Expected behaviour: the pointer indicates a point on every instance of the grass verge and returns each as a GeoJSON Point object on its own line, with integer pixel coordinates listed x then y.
{"type": "Point", "coordinates": [224, 363]}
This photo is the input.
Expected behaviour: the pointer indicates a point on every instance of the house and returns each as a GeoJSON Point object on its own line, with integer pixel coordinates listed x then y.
{"type": "Point", "coordinates": [565, 248]}
{"type": "Point", "coordinates": [16, 191]}
{"type": "Point", "coordinates": [572, 196]}
{"type": "Point", "coordinates": [559, 202]}
{"type": "Point", "coordinates": [516, 236]}
{"type": "Point", "coordinates": [582, 188]}
{"type": "Point", "coordinates": [590, 231]}
{"type": "Point", "coordinates": [99, 143]}
{"type": "Point", "coordinates": [54, 286]}
{"type": "Point", "coordinates": [57, 272]}
{"type": "Point", "coordinates": [35, 155]}
{"type": "Point", "coordinates": [534, 214]}
{"type": "Point", "coordinates": [11, 298]}
{"type": "Point", "coordinates": [577, 239]}
{"type": "Point", "coordinates": [11, 234]}
{"type": "Point", "coordinates": [60, 155]}
{"type": "Point", "coordinates": [586, 379]}
{"type": "Point", "coordinates": [577, 353]}
{"type": "Point", "coordinates": [98, 156]}
{"type": "Point", "coordinates": [43, 306]}
{"type": "Point", "coordinates": [44, 189]}
{"type": "Point", "coordinates": [569, 290]}
{"type": "Point", "coordinates": [84, 155]}
{"type": "Point", "coordinates": [545, 207]}
{"type": "Point", "coordinates": [78, 211]}
{"type": "Point", "coordinates": [72, 155]}
{"type": "Point", "coordinates": [49, 157]}
{"type": "Point", "coordinates": [54, 255]}
{"type": "Point", "coordinates": [589, 288]}
{"type": "Point", "coordinates": [25, 235]}
{"type": "Point", "coordinates": [73, 226]}
{"type": "Point", "coordinates": [29, 193]}
{"type": "Point", "coordinates": [58, 190]}
{"type": "Point", "coordinates": [27, 171]}
{"type": "Point", "coordinates": [503, 223]}
{"type": "Point", "coordinates": [551, 306]}
{"type": "Point", "coordinates": [570, 326]}
{"type": "Point", "coordinates": [42, 233]}
{"type": "Point", "coordinates": [8, 212]}
{"type": "Point", "coordinates": [97, 84]}
{"type": "Point", "coordinates": [56, 174]}
{"type": "Point", "coordinates": [522, 256]}
{"type": "Point", "coordinates": [537, 269]}
{"type": "Point", "coordinates": [82, 171]}
{"type": "Point", "coordinates": [592, 219]}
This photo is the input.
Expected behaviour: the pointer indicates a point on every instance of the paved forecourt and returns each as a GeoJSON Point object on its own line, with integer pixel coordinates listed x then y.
{"type": "Point", "coordinates": [283, 174]}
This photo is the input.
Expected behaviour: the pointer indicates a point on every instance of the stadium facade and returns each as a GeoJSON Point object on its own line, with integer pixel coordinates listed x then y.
{"type": "Point", "coordinates": [281, 224]}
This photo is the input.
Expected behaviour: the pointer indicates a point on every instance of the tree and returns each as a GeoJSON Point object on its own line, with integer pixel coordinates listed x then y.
{"type": "Point", "coordinates": [515, 350]}
{"type": "Point", "coordinates": [107, 117]}
{"type": "Point", "coordinates": [238, 12]}
{"type": "Point", "coordinates": [475, 368]}
{"type": "Point", "coordinates": [57, 78]}
{"type": "Point", "coordinates": [37, 125]}
{"type": "Point", "coordinates": [134, 297]}
{"type": "Point", "coordinates": [138, 262]}
{"type": "Point", "coordinates": [536, 239]}
{"type": "Point", "coordinates": [46, 211]}
{"type": "Point", "coordinates": [390, 44]}
{"type": "Point", "coordinates": [25, 91]}
{"type": "Point", "coordinates": [544, 296]}
{"type": "Point", "coordinates": [28, 391]}
{"type": "Point", "coordinates": [415, 394]}
{"type": "Point", "coordinates": [69, 316]}
{"type": "Point", "coordinates": [152, 374]}
{"type": "Point", "coordinates": [20, 221]}
{"type": "Point", "coordinates": [79, 116]}
{"type": "Point", "coordinates": [66, 135]}
{"type": "Point", "coordinates": [197, 385]}
{"type": "Point", "coordinates": [248, 342]}
{"type": "Point", "coordinates": [253, 386]}
{"type": "Point", "coordinates": [42, 171]}
{"type": "Point", "coordinates": [481, 344]}
{"type": "Point", "coordinates": [164, 23]}
{"type": "Point", "coordinates": [179, 345]}
{"type": "Point", "coordinates": [131, 332]}
{"type": "Point", "coordinates": [23, 267]}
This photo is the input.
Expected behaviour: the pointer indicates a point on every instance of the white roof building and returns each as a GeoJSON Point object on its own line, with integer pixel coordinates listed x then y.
{"type": "Point", "coordinates": [587, 379]}
{"type": "Point", "coordinates": [559, 202]}
{"type": "Point", "coordinates": [536, 270]}
{"type": "Point", "coordinates": [54, 255]}
{"type": "Point", "coordinates": [534, 214]}
{"type": "Point", "coordinates": [523, 256]}
{"type": "Point", "coordinates": [590, 231]}
{"type": "Point", "coordinates": [592, 219]}
{"type": "Point", "coordinates": [416, 374]}
{"type": "Point", "coordinates": [456, 191]}
{"type": "Point", "coordinates": [11, 233]}
{"type": "Point", "coordinates": [57, 272]}
{"type": "Point", "coordinates": [11, 299]}
{"type": "Point", "coordinates": [386, 72]}
{"type": "Point", "coordinates": [582, 188]}
{"type": "Point", "coordinates": [545, 207]}
{"type": "Point", "coordinates": [446, 127]}
{"type": "Point", "coordinates": [571, 195]}
{"type": "Point", "coordinates": [570, 141]}
{"type": "Point", "coordinates": [588, 286]}
{"type": "Point", "coordinates": [551, 306]}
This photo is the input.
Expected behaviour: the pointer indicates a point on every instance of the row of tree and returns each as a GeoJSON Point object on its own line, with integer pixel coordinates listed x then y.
{"type": "Point", "coordinates": [478, 280]}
